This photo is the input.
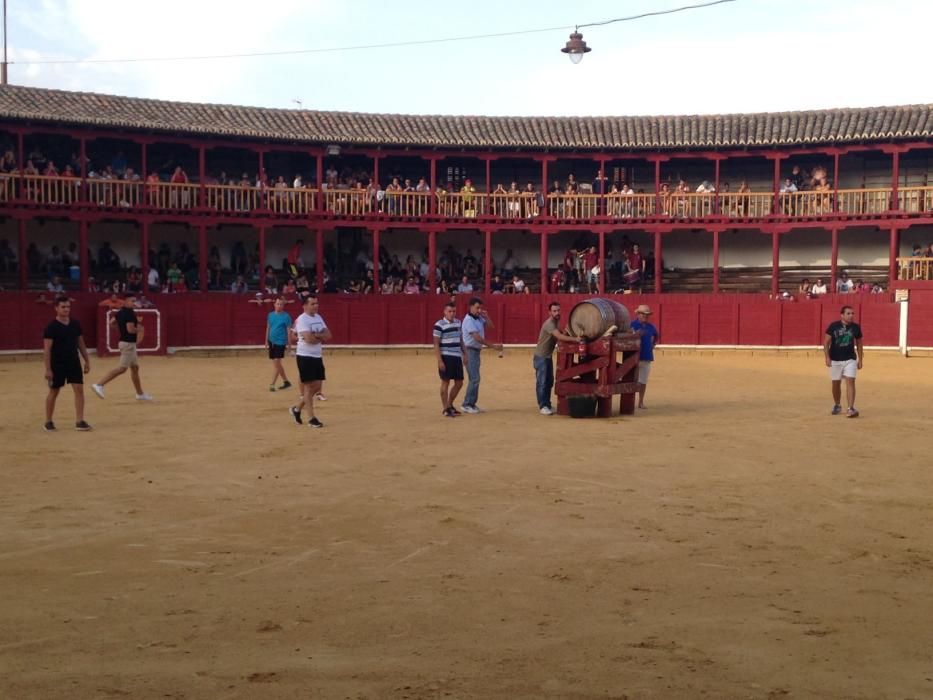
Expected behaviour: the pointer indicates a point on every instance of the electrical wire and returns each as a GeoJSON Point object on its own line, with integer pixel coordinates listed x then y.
{"type": "Point", "coordinates": [362, 47]}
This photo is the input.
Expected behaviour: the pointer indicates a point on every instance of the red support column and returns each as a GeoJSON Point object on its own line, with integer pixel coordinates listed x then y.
{"type": "Point", "coordinates": [544, 263]}
{"type": "Point", "coordinates": [657, 191]}
{"type": "Point", "coordinates": [487, 262]}
{"type": "Point", "coordinates": [895, 179]}
{"type": "Point", "coordinates": [716, 196]}
{"type": "Point", "coordinates": [432, 199]}
{"type": "Point", "coordinates": [262, 258]}
{"type": "Point", "coordinates": [144, 254]}
{"type": "Point", "coordinates": [202, 176]}
{"type": "Point", "coordinates": [893, 253]}
{"type": "Point", "coordinates": [544, 185]}
{"type": "Point", "coordinates": [658, 254]}
{"type": "Point", "coordinates": [23, 265]}
{"type": "Point", "coordinates": [143, 162]}
{"type": "Point", "coordinates": [376, 277]}
{"type": "Point", "coordinates": [432, 261]}
{"type": "Point", "coordinates": [263, 180]}
{"type": "Point", "coordinates": [716, 258]}
{"type": "Point", "coordinates": [83, 174]}
{"type": "Point", "coordinates": [202, 258]}
{"type": "Point", "coordinates": [775, 264]}
{"type": "Point", "coordinates": [602, 262]}
{"type": "Point", "coordinates": [319, 181]}
{"type": "Point", "coordinates": [319, 260]}
{"type": "Point", "coordinates": [20, 164]}
{"type": "Point", "coordinates": [488, 162]}
{"type": "Point", "coordinates": [376, 169]}
{"type": "Point", "coordinates": [84, 262]}
{"type": "Point", "coordinates": [833, 260]}
{"type": "Point", "coordinates": [835, 181]}
{"type": "Point", "coordinates": [776, 185]}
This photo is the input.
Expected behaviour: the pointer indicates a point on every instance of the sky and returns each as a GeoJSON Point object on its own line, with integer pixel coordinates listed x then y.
{"type": "Point", "coordinates": [743, 56]}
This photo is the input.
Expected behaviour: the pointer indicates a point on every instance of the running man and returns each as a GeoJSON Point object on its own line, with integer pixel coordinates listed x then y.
{"type": "Point", "coordinates": [278, 323]}
{"type": "Point", "coordinates": [61, 344]}
{"type": "Point", "coordinates": [844, 355]}
{"type": "Point", "coordinates": [311, 331]}
{"type": "Point", "coordinates": [473, 332]}
{"type": "Point", "coordinates": [649, 338]}
{"type": "Point", "coordinates": [131, 332]}
{"type": "Point", "coordinates": [448, 351]}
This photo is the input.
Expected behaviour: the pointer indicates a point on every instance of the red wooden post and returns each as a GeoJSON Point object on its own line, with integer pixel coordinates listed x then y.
{"type": "Point", "coordinates": [487, 262]}
{"type": "Point", "coordinates": [376, 169]}
{"type": "Point", "coordinates": [202, 176]}
{"type": "Point", "coordinates": [895, 179]}
{"type": "Point", "coordinates": [775, 263]}
{"type": "Point", "coordinates": [716, 258]}
{"type": "Point", "coordinates": [432, 261]}
{"type": "Point", "coordinates": [319, 260]}
{"type": "Point", "coordinates": [376, 276]}
{"type": "Point", "coordinates": [144, 254]}
{"type": "Point", "coordinates": [20, 164]}
{"type": "Point", "coordinates": [776, 184]}
{"type": "Point", "coordinates": [657, 192]}
{"type": "Point", "coordinates": [893, 252]}
{"type": "Point", "coordinates": [833, 260]}
{"type": "Point", "coordinates": [602, 263]}
{"type": "Point", "coordinates": [601, 207]}
{"type": "Point", "coordinates": [202, 258]}
{"type": "Point", "coordinates": [835, 181]}
{"type": "Point", "coordinates": [262, 258]}
{"type": "Point", "coordinates": [432, 199]}
{"type": "Point", "coordinates": [658, 253]}
{"type": "Point", "coordinates": [488, 162]}
{"type": "Point", "coordinates": [82, 255]}
{"type": "Point", "coordinates": [83, 174]}
{"type": "Point", "coordinates": [544, 263]}
{"type": "Point", "coordinates": [544, 211]}
{"type": "Point", "coordinates": [144, 164]}
{"type": "Point", "coordinates": [262, 180]}
{"type": "Point", "coordinates": [716, 163]}
{"type": "Point", "coordinates": [319, 181]}
{"type": "Point", "coordinates": [23, 265]}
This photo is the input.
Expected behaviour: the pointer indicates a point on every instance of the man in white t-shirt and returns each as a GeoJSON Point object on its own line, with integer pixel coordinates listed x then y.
{"type": "Point", "coordinates": [310, 331]}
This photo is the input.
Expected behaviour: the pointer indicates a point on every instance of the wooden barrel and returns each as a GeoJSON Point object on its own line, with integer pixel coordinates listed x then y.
{"type": "Point", "coordinates": [593, 317]}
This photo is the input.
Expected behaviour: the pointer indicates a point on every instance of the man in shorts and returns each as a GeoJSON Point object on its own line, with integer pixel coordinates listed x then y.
{"type": "Point", "coordinates": [311, 332]}
{"type": "Point", "coordinates": [649, 338]}
{"type": "Point", "coordinates": [131, 332]}
{"type": "Point", "coordinates": [62, 342]}
{"type": "Point", "coordinates": [448, 351]}
{"type": "Point", "coordinates": [842, 348]}
{"type": "Point", "coordinates": [278, 323]}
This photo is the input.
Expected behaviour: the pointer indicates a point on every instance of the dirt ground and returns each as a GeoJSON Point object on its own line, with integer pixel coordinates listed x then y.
{"type": "Point", "coordinates": [733, 540]}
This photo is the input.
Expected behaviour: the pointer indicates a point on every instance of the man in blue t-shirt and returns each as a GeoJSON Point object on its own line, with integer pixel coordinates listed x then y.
{"type": "Point", "coordinates": [649, 338]}
{"type": "Point", "coordinates": [278, 324]}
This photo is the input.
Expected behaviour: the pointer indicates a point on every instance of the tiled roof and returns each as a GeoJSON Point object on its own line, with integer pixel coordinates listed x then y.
{"type": "Point", "coordinates": [833, 126]}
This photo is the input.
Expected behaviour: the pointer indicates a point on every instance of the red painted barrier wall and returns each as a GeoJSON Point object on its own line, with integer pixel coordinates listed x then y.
{"type": "Point", "coordinates": [684, 319]}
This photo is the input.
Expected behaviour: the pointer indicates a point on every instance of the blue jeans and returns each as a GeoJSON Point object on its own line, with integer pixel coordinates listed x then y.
{"type": "Point", "coordinates": [472, 368]}
{"type": "Point", "coordinates": [544, 380]}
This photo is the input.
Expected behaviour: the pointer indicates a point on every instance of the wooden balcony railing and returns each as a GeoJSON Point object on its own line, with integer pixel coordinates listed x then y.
{"type": "Point", "coordinates": [64, 191]}
{"type": "Point", "coordinates": [915, 269]}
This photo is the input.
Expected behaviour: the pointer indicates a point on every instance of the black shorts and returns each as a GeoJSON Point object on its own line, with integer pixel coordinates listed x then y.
{"type": "Point", "coordinates": [276, 352]}
{"type": "Point", "coordinates": [310, 369]}
{"type": "Point", "coordinates": [453, 368]}
{"type": "Point", "coordinates": [72, 373]}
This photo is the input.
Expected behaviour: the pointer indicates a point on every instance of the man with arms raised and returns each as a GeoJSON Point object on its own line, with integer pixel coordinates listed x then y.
{"type": "Point", "coordinates": [448, 351]}
{"type": "Point", "coordinates": [543, 364]}
{"type": "Point", "coordinates": [311, 332]}
{"type": "Point", "coordinates": [842, 348]}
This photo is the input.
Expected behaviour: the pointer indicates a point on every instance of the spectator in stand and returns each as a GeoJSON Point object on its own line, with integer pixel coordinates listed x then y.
{"type": "Point", "coordinates": [107, 259]}
{"type": "Point", "coordinates": [509, 264]}
{"type": "Point", "coordinates": [591, 263]}
{"type": "Point", "coordinates": [55, 262]}
{"type": "Point", "coordinates": [513, 197]}
{"type": "Point", "coordinates": [7, 257]}
{"type": "Point", "coordinates": [368, 283]}
{"type": "Point", "coordinates": [55, 285]}
{"type": "Point", "coordinates": [798, 178]}
{"type": "Point", "coordinates": [877, 289]}
{"type": "Point", "coordinates": [558, 280]}
{"type": "Point", "coordinates": [239, 286]}
{"type": "Point", "coordinates": [412, 286]}
{"type": "Point", "coordinates": [153, 280]}
{"type": "Point", "coordinates": [467, 199]}
{"type": "Point", "coordinates": [465, 287]}
{"type": "Point", "coordinates": [862, 287]}
{"type": "Point", "coordinates": [294, 263]}
{"type": "Point", "coordinates": [179, 178]}
{"type": "Point", "coordinates": [422, 185]}
{"type": "Point", "coordinates": [819, 288]}
{"type": "Point", "coordinates": [844, 285]}
{"type": "Point", "coordinates": [134, 280]}
{"type": "Point", "coordinates": [805, 287]}
{"type": "Point", "coordinates": [174, 277]}
{"type": "Point", "coordinates": [634, 268]}
{"type": "Point", "coordinates": [33, 258]}
{"type": "Point", "coordinates": [470, 264]}
{"type": "Point", "coordinates": [270, 283]}
{"type": "Point", "coordinates": [518, 285]}
{"type": "Point", "coordinates": [8, 162]}
{"type": "Point", "coordinates": [496, 285]}
{"type": "Point", "coordinates": [214, 267]}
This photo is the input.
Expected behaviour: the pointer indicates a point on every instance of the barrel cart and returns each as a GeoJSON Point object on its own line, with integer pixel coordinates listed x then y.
{"type": "Point", "coordinates": [602, 364]}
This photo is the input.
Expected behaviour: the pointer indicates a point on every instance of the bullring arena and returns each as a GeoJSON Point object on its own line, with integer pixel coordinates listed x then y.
{"type": "Point", "coordinates": [733, 540]}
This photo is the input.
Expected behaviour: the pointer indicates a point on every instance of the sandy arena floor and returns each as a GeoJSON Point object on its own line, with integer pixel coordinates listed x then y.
{"type": "Point", "coordinates": [732, 541]}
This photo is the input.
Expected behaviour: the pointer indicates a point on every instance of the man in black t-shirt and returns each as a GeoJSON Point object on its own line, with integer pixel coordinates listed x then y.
{"type": "Point", "coordinates": [62, 343]}
{"type": "Point", "coordinates": [842, 348]}
{"type": "Point", "coordinates": [131, 332]}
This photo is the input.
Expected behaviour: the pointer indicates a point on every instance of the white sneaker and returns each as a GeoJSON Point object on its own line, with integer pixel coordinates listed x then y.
{"type": "Point", "coordinates": [98, 389]}
{"type": "Point", "coordinates": [469, 409]}
{"type": "Point", "coordinates": [320, 397]}
{"type": "Point", "coordinates": [545, 411]}
{"type": "Point", "coordinates": [143, 397]}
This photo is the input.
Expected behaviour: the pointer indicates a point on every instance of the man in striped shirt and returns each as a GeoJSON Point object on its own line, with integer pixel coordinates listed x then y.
{"type": "Point", "coordinates": [448, 350]}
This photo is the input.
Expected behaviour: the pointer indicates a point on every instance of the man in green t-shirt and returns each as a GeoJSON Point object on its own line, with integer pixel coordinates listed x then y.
{"type": "Point", "coordinates": [544, 366]}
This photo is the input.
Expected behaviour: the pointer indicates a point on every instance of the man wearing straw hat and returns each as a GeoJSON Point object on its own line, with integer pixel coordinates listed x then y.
{"type": "Point", "coordinates": [649, 338]}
